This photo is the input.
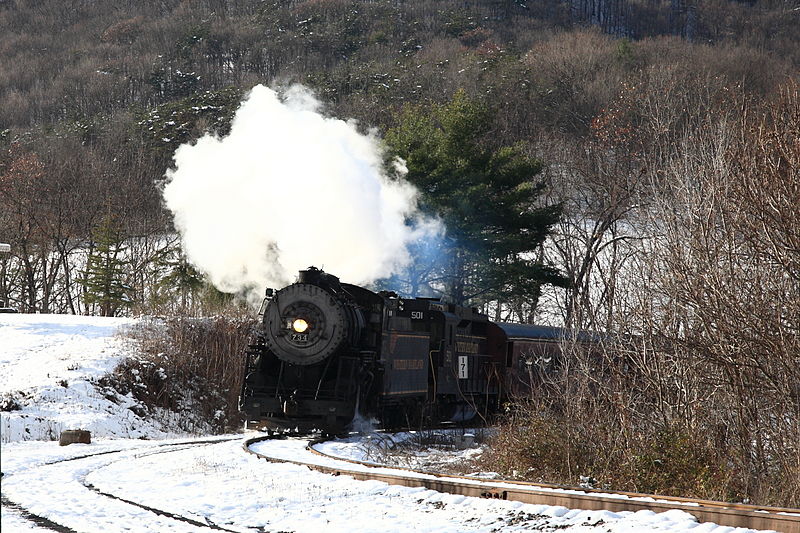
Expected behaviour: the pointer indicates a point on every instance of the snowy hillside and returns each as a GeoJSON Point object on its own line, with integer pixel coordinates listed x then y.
{"type": "Point", "coordinates": [51, 379]}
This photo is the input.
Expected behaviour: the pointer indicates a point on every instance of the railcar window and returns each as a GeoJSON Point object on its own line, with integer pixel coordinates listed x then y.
{"type": "Point", "coordinates": [509, 354]}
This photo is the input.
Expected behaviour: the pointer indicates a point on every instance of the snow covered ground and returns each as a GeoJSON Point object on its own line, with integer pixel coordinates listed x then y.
{"type": "Point", "coordinates": [442, 451]}
{"type": "Point", "coordinates": [173, 483]}
{"type": "Point", "coordinates": [50, 379]}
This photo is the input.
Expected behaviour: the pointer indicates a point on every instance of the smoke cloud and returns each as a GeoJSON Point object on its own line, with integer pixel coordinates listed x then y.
{"type": "Point", "coordinates": [289, 188]}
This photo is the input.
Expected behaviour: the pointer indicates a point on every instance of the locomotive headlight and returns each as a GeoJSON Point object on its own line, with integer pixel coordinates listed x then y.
{"type": "Point", "coordinates": [300, 325]}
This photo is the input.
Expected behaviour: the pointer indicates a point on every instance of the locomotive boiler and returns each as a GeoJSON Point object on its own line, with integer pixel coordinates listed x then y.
{"type": "Point", "coordinates": [325, 352]}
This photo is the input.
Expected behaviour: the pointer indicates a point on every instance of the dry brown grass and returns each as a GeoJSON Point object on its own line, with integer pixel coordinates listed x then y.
{"type": "Point", "coordinates": [608, 422]}
{"type": "Point", "coordinates": [537, 443]}
{"type": "Point", "coordinates": [195, 362]}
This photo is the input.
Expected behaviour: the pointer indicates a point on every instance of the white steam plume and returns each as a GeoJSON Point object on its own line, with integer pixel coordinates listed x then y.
{"type": "Point", "coordinates": [290, 188]}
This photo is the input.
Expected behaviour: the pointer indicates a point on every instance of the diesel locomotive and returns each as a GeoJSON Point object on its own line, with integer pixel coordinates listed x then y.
{"type": "Point", "coordinates": [325, 352]}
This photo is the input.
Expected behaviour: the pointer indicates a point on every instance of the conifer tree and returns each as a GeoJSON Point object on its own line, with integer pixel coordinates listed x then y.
{"type": "Point", "coordinates": [486, 197]}
{"type": "Point", "coordinates": [180, 276]}
{"type": "Point", "coordinates": [104, 278]}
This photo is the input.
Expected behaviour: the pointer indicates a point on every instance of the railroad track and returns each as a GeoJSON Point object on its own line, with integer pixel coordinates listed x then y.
{"type": "Point", "coordinates": [126, 454]}
{"type": "Point", "coordinates": [784, 520]}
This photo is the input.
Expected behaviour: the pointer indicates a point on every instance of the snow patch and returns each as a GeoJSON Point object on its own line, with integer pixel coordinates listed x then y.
{"type": "Point", "coordinates": [54, 375]}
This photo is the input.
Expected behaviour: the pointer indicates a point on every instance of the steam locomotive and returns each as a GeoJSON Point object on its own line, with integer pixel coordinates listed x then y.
{"type": "Point", "coordinates": [325, 352]}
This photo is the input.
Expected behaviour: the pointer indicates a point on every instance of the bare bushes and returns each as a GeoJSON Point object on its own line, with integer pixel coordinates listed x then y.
{"type": "Point", "coordinates": [699, 393]}
{"type": "Point", "coordinates": [600, 423]}
{"type": "Point", "coordinates": [191, 366]}
{"type": "Point", "coordinates": [730, 269]}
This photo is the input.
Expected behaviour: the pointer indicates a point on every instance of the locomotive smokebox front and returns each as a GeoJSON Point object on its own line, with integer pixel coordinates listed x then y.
{"type": "Point", "coordinates": [306, 322]}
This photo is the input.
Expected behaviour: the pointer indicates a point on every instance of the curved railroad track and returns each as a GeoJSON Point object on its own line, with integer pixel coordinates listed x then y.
{"type": "Point", "coordinates": [43, 522]}
{"type": "Point", "coordinates": [735, 515]}
{"type": "Point", "coordinates": [784, 520]}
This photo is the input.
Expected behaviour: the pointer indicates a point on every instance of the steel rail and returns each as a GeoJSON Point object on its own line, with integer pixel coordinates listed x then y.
{"type": "Point", "coordinates": [46, 523]}
{"type": "Point", "coordinates": [784, 520]}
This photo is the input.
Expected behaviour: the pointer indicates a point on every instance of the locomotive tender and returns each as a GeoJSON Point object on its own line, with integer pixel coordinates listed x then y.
{"type": "Point", "coordinates": [325, 352]}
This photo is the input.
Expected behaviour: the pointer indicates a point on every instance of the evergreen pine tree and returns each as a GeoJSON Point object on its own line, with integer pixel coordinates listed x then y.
{"type": "Point", "coordinates": [181, 276]}
{"type": "Point", "coordinates": [487, 199]}
{"type": "Point", "coordinates": [104, 278]}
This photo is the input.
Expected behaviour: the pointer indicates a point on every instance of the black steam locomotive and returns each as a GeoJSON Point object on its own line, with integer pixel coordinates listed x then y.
{"type": "Point", "coordinates": [325, 352]}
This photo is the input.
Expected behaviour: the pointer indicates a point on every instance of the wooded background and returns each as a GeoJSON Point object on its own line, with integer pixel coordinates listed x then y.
{"type": "Point", "coordinates": [667, 133]}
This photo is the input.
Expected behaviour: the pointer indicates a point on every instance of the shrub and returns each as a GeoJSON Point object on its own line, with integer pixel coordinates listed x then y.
{"type": "Point", "coordinates": [192, 364]}
{"type": "Point", "coordinates": [9, 403]}
{"type": "Point", "coordinates": [540, 443]}
{"type": "Point", "coordinates": [475, 37]}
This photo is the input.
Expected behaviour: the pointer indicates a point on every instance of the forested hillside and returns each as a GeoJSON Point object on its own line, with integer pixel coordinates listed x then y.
{"type": "Point", "coordinates": [661, 139]}
{"type": "Point", "coordinates": [95, 97]}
